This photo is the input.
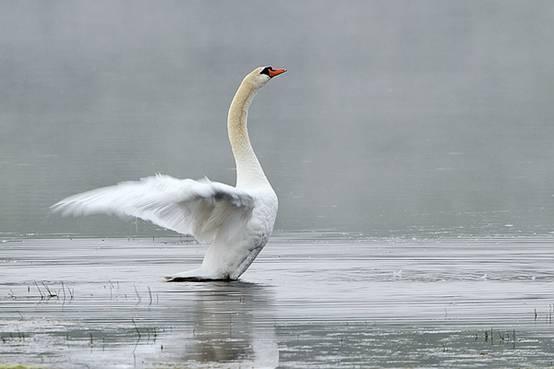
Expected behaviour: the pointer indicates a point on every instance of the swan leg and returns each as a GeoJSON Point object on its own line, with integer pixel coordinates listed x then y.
{"type": "Point", "coordinates": [195, 275]}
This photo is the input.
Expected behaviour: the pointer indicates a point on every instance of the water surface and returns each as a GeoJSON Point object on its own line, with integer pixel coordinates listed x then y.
{"type": "Point", "coordinates": [434, 114]}
{"type": "Point", "coordinates": [309, 301]}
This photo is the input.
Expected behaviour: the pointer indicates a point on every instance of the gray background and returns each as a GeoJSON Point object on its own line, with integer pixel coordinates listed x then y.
{"type": "Point", "coordinates": [395, 118]}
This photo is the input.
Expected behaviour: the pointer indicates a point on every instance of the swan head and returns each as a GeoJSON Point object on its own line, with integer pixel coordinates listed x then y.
{"type": "Point", "coordinates": [261, 75]}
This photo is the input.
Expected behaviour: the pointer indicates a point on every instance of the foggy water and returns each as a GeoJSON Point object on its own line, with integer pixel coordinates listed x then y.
{"type": "Point", "coordinates": [426, 127]}
{"type": "Point", "coordinates": [394, 116]}
{"type": "Point", "coordinates": [309, 301]}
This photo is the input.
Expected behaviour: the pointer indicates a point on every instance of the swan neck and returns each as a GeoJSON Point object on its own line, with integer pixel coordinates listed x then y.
{"type": "Point", "coordinates": [249, 169]}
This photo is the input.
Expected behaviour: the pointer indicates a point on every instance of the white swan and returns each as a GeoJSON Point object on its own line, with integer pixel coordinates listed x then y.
{"type": "Point", "coordinates": [236, 221]}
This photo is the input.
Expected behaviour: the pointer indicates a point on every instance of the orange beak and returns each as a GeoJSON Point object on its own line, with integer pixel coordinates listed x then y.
{"type": "Point", "coordinates": [275, 72]}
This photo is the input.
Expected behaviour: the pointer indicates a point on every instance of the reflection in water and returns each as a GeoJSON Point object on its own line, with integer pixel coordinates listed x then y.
{"type": "Point", "coordinates": [231, 325]}
{"type": "Point", "coordinates": [224, 327]}
{"type": "Point", "coordinates": [130, 319]}
{"type": "Point", "coordinates": [215, 325]}
{"type": "Point", "coordinates": [108, 308]}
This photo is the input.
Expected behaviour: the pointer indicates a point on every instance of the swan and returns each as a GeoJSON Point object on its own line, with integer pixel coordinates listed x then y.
{"type": "Point", "coordinates": [236, 222]}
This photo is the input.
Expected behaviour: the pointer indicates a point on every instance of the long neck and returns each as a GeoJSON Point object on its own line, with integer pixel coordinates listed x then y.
{"type": "Point", "coordinates": [249, 170]}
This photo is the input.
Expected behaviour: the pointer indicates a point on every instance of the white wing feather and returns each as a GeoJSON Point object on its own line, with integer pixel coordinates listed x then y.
{"type": "Point", "coordinates": [202, 208]}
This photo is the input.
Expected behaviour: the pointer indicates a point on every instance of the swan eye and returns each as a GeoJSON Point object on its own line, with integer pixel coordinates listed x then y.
{"type": "Point", "coordinates": [266, 71]}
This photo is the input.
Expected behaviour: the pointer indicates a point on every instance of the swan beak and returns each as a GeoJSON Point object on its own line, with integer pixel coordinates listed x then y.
{"type": "Point", "coordinates": [275, 72]}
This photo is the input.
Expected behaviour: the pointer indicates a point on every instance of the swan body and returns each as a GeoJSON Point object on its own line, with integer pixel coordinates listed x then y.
{"type": "Point", "coordinates": [236, 222]}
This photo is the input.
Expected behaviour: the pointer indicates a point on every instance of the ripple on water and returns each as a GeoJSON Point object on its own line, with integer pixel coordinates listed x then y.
{"type": "Point", "coordinates": [306, 302]}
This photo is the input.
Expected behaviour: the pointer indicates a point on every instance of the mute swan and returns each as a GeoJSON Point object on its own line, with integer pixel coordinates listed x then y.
{"type": "Point", "coordinates": [235, 221]}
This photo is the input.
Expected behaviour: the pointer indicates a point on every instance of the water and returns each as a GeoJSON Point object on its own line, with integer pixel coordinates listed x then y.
{"type": "Point", "coordinates": [392, 115]}
{"type": "Point", "coordinates": [405, 121]}
{"type": "Point", "coordinates": [311, 300]}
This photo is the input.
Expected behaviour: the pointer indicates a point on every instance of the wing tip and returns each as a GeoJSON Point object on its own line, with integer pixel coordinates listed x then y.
{"type": "Point", "coordinates": [64, 209]}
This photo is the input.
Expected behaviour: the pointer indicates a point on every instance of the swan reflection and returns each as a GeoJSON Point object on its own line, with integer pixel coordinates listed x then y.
{"type": "Point", "coordinates": [231, 326]}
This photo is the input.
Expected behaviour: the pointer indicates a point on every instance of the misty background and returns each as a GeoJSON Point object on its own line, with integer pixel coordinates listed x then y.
{"type": "Point", "coordinates": [395, 118]}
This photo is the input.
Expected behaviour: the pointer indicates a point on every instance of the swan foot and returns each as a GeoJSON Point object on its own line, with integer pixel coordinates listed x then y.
{"type": "Point", "coordinates": [196, 275]}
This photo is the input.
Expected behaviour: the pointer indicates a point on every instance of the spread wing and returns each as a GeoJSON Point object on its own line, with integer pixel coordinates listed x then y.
{"type": "Point", "coordinates": [199, 208]}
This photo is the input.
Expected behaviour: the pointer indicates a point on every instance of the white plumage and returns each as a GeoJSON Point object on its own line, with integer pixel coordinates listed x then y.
{"type": "Point", "coordinates": [235, 221]}
{"type": "Point", "coordinates": [199, 208]}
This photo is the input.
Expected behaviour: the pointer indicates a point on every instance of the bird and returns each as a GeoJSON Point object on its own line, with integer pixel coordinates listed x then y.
{"type": "Point", "coordinates": [235, 221]}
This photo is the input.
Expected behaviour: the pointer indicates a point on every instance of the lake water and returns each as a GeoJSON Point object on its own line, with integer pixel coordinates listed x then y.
{"type": "Point", "coordinates": [393, 115]}
{"type": "Point", "coordinates": [426, 125]}
{"type": "Point", "coordinates": [311, 300]}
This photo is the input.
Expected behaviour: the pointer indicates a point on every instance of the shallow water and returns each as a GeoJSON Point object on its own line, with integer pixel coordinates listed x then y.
{"type": "Point", "coordinates": [309, 301]}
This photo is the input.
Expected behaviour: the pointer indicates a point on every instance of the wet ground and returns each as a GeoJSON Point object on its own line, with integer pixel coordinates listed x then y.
{"type": "Point", "coordinates": [309, 301]}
